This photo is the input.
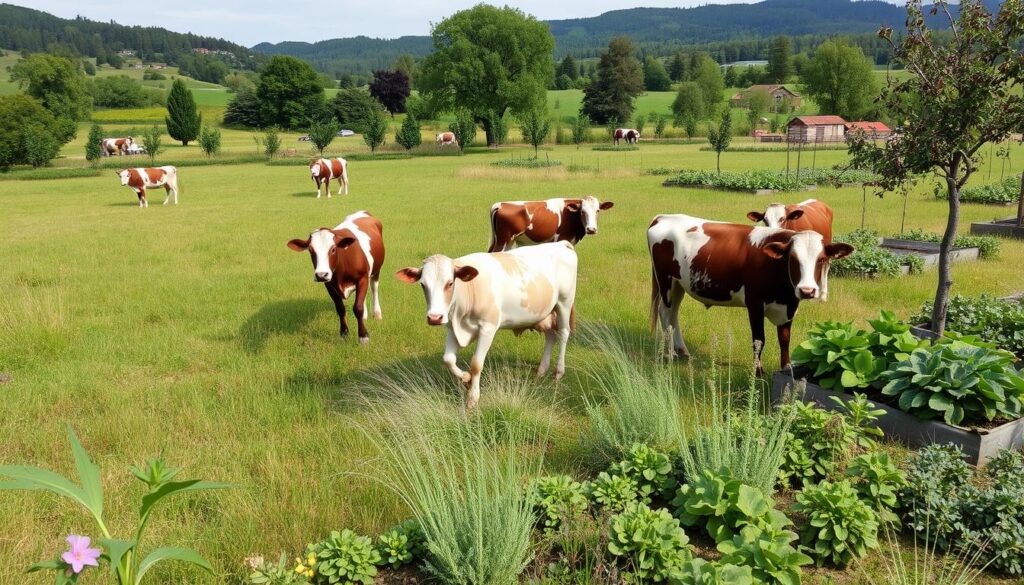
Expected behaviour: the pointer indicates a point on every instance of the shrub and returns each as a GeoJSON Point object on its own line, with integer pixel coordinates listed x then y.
{"type": "Point", "coordinates": [820, 440]}
{"type": "Point", "coordinates": [740, 181]}
{"type": "Point", "coordinates": [869, 259]}
{"type": "Point", "coordinates": [93, 148]}
{"type": "Point", "coordinates": [878, 481]}
{"type": "Point", "coordinates": [612, 492]}
{"type": "Point", "coordinates": [838, 527]}
{"type": "Point", "coordinates": [1001, 193]}
{"type": "Point", "coordinates": [152, 141]}
{"type": "Point", "coordinates": [526, 163]}
{"type": "Point", "coordinates": [409, 134]}
{"type": "Point", "coordinates": [464, 128]}
{"type": "Point", "coordinates": [650, 469]}
{"type": "Point", "coordinates": [723, 505]}
{"type": "Point", "coordinates": [997, 321]}
{"type": "Point", "coordinates": [402, 544]}
{"type": "Point", "coordinates": [376, 131]}
{"type": "Point", "coordinates": [557, 499]}
{"type": "Point", "coordinates": [988, 246]}
{"type": "Point", "coordinates": [535, 126]}
{"type": "Point", "coordinates": [39, 146]}
{"type": "Point", "coordinates": [344, 558]}
{"type": "Point", "coordinates": [698, 571]}
{"type": "Point", "coordinates": [651, 541]}
{"type": "Point", "coordinates": [322, 133]}
{"type": "Point", "coordinates": [271, 142]}
{"type": "Point", "coordinates": [209, 140]}
{"type": "Point", "coordinates": [768, 552]}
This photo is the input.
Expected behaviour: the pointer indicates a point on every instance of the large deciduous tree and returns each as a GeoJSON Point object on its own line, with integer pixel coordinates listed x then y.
{"type": "Point", "coordinates": [290, 92]}
{"type": "Point", "coordinates": [60, 86]}
{"type": "Point", "coordinates": [840, 79]}
{"type": "Point", "coordinates": [24, 120]}
{"type": "Point", "coordinates": [689, 103]}
{"type": "Point", "coordinates": [961, 95]}
{"type": "Point", "coordinates": [619, 78]}
{"type": "Point", "coordinates": [488, 59]}
{"type": "Point", "coordinates": [708, 76]}
{"type": "Point", "coordinates": [655, 76]}
{"type": "Point", "coordinates": [183, 120]}
{"type": "Point", "coordinates": [391, 88]}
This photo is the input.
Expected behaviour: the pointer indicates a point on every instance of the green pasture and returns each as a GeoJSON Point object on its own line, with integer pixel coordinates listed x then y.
{"type": "Point", "coordinates": [192, 330]}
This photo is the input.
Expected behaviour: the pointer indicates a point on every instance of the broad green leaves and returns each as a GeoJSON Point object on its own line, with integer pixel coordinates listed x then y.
{"type": "Point", "coordinates": [168, 553]}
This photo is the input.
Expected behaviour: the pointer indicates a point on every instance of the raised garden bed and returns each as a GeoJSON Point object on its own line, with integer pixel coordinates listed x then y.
{"type": "Point", "coordinates": [923, 330]}
{"type": "Point", "coordinates": [1001, 227]}
{"type": "Point", "coordinates": [979, 445]}
{"type": "Point", "coordinates": [927, 251]}
{"type": "Point", "coordinates": [737, 190]}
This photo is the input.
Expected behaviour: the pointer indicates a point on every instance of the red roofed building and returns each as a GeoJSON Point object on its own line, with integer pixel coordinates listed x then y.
{"type": "Point", "coordinates": [875, 130]}
{"type": "Point", "coordinates": [816, 129]}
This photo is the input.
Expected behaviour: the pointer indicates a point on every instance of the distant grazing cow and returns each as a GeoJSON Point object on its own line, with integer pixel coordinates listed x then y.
{"type": "Point", "coordinates": [348, 258]}
{"type": "Point", "coordinates": [118, 146]}
{"type": "Point", "coordinates": [552, 220]}
{"type": "Point", "coordinates": [140, 179]}
{"type": "Point", "coordinates": [476, 295]}
{"type": "Point", "coordinates": [447, 139]}
{"type": "Point", "coordinates": [767, 270]}
{"type": "Point", "coordinates": [630, 135]}
{"type": "Point", "coordinates": [324, 169]}
{"type": "Point", "coordinates": [811, 215]}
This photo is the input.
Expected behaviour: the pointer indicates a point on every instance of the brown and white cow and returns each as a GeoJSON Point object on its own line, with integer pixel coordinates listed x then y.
{"type": "Point", "coordinates": [811, 215]}
{"type": "Point", "coordinates": [553, 220]}
{"type": "Point", "coordinates": [767, 270]}
{"type": "Point", "coordinates": [348, 259]}
{"type": "Point", "coordinates": [118, 146]}
{"type": "Point", "coordinates": [476, 295]}
{"type": "Point", "coordinates": [324, 169]}
{"type": "Point", "coordinates": [630, 135]}
{"type": "Point", "coordinates": [447, 139]}
{"type": "Point", "coordinates": [140, 179]}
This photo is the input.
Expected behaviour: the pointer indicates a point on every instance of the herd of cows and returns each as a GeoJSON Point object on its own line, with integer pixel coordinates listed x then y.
{"type": "Point", "coordinates": [527, 278]}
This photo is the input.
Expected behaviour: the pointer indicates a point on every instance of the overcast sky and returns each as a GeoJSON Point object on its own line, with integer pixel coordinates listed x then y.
{"type": "Point", "coordinates": [255, 21]}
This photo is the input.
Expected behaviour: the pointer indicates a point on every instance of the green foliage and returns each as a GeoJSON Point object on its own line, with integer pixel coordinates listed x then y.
{"type": "Point", "coordinates": [741, 181]}
{"type": "Point", "coordinates": [720, 137]}
{"type": "Point", "coordinates": [821, 440]}
{"type": "Point", "coordinates": [724, 505]}
{"type": "Point", "coordinates": [244, 110]}
{"type": "Point", "coordinates": [988, 246]}
{"type": "Point", "coordinates": [409, 134]}
{"type": "Point", "coordinates": [402, 544]}
{"type": "Point", "coordinates": [660, 125]}
{"type": "Point", "coordinates": [611, 492]}
{"type": "Point", "coordinates": [526, 163]}
{"type": "Point", "coordinates": [1000, 322]}
{"type": "Point", "coordinates": [841, 81]}
{"type": "Point", "coordinates": [557, 499]}
{"type": "Point", "coordinates": [354, 109]}
{"type": "Point", "coordinates": [499, 128]}
{"type": "Point", "coordinates": [118, 91]}
{"type": "Point", "coordinates": [290, 92]}
{"type": "Point", "coordinates": [708, 77]}
{"type": "Point", "coordinates": [25, 123]}
{"type": "Point", "coordinates": [698, 571]}
{"type": "Point", "coordinates": [609, 97]}
{"type": "Point", "coordinates": [580, 129]}
{"type": "Point", "coordinates": [650, 469]}
{"type": "Point", "coordinates": [376, 131]}
{"type": "Point", "coordinates": [209, 140]}
{"type": "Point", "coordinates": [769, 552]}
{"type": "Point", "coordinates": [344, 558]}
{"type": "Point", "coordinates": [959, 381]}
{"type": "Point", "coordinates": [535, 126]}
{"type": "Point", "coordinates": [464, 128]}
{"type": "Point", "coordinates": [652, 543]}
{"type": "Point", "coordinates": [60, 86]}
{"type": "Point", "coordinates": [152, 141]}
{"type": "Point", "coordinates": [780, 65]}
{"type": "Point", "coordinates": [839, 527]}
{"type": "Point", "coordinates": [39, 146]}
{"type": "Point", "coordinates": [322, 133]}
{"type": "Point", "coordinates": [183, 120]}
{"type": "Point", "coordinates": [271, 142]}
{"type": "Point", "coordinates": [878, 481]}
{"type": "Point", "coordinates": [93, 148]}
{"type": "Point", "coordinates": [1001, 193]}
{"type": "Point", "coordinates": [869, 259]}
{"type": "Point", "coordinates": [655, 76]}
{"type": "Point", "coordinates": [279, 573]}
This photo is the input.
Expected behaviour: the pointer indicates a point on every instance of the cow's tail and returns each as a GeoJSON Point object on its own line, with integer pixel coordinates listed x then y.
{"type": "Point", "coordinates": [344, 174]}
{"type": "Point", "coordinates": [494, 229]}
{"type": "Point", "coordinates": [572, 318]}
{"type": "Point", "coordinates": [655, 298]}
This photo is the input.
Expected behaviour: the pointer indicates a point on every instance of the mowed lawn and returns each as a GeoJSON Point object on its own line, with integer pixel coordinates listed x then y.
{"type": "Point", "coordinates": [194, 332]}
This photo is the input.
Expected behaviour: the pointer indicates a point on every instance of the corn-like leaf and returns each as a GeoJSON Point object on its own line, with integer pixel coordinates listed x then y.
{"type": "Point", "coordinates": [23, 477]}
{"type": "Point", "coordinates": [88, 476]}
{"type": "Point", "coordinates": [168, 553]}
{"type": "Point", "coordinates": [176, 487]}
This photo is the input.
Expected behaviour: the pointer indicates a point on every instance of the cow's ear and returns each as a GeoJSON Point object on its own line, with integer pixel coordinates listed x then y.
{"type": "Point", "coordinates": [774, 250]}
{"type": "Point", "coordinates": [795, 214]}
{"type": "Point", "coordinates": [573, 207]}
{"type": "Point", "coordinates": [410, 275]}
{"type": "Point", "coordinates": [343, 242]}
{"type": "Point", "coordinates": [755, 216]}
{"type": "Point", "coordinates": [298, 245]}
{"type": "Point", "coordinates": [838, 250]}
{"type": "Point", "coordinates": [607, 205]}
{"type": "Point", "coordinates": [466, 273]}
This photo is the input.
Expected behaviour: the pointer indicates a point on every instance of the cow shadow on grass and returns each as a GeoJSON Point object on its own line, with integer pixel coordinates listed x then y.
{"type": "Point", "coordinates": [279, 318]}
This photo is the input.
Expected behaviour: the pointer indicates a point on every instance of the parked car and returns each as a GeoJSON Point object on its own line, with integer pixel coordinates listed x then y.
{"type": "Point", "coordinates": [343, 132]}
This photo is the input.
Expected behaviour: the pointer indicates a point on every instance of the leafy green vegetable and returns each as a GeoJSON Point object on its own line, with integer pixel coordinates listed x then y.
{"type": "Point", "coordinates": [988, 246]}
{"type": "Point", "coordinates": [402, 544]}
{"type": "Point", "coordinates": [557, 498]}
{"type": "Point", "coordinates": [723, 505]}
{"type": "Point", "coordinates": [611, 491]}
{"type": "Point", "coordinates": [1005, 191]}
{"type": "Point", "coordinates": [878, 481]}
{"type": "Point", "coordinates": [998, 321]}
{"type": "Point", "coordinates": [768, 552]}
{"type": "Point", "coordinates": [344, 558]}
{"type": "Point", "coordinates": [701, 572]}
{"type": "Point", "coordinates": [650, 469]}
{"type": "Point", "coordinates": [651, 541]}
{"type": "Point", "coordinates": [839, 527]}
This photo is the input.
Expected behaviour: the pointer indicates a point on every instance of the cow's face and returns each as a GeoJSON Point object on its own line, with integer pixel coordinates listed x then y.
{"type": "Point", "coordinates": [437, 276]}
{"type": "Point", "coordinates": [322, 246]}
{"type": "Point", "coordinates": [125, 175]}
{"type": "Point", "coordinates": [129, 141]}
{"type": "Point", "coordinates": [775, 215]}
{"type": "Point", "coordinates": [588, 208]}
{"type": "Point", "coordinates": [806, 255]}
{"type": "Point", "coordinates": [314, 169]}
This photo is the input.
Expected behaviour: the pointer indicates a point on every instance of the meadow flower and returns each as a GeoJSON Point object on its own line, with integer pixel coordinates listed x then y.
{"type": "Point", "coordinates": [302, 569]}
{"type": "Point", "coordinates": [80, 555]}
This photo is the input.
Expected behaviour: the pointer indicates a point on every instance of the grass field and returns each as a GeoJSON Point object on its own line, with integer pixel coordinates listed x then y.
{"type": "Point", "coordinates": [193, 331]}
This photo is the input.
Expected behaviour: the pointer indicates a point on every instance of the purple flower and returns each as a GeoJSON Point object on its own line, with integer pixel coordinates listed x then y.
{"type": "Point", "coordinates": [80, 554]}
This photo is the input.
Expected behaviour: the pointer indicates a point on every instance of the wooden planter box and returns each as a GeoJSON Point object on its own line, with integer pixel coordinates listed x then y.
{"type": "Point", "coordinates": [979, 445]}
{"type": "Point", "coordinates": [928, 251]}
{"type": "Point", "coordinates": [923, 330]}
{"type": "Point", "coordinates": [1002, 227]}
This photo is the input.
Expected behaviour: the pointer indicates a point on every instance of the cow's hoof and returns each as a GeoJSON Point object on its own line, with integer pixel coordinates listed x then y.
{"type": "Point", "coordinates": [559, 374]}
{"type": "Point", "coordinates": [344, 334]}
{"type": "Point", "coordinates": [364, 340]}
{"type": "Point", "coordinates": [466, 379]}
{"type": "Point", "coordinates": [378, 315]}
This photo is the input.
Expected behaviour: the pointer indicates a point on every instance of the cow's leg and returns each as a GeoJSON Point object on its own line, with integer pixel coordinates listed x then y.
{"type": "Point", "coordinates": [142, 197]}
{"type": "Point", "coordinates": [756, 316]}
{"type": "Point", "coordinates": [167, 194]}
{"type": "Point", "coordinates": [476, 364]}
{"type": "Point", "coordinates": [327, 186]}
{"type": "Point", "coordinates": [375, 289]}
{"type": "Point", "coordinates": [669, 316]}
{"type": "Point", "coordinates": [359, 310]}
{"type": "Point", "coordinates": [317, 181]}
{"type": "Point", "coordinates": [342, 185]}
{"type": "Point", "coordinates": [339, 306]}
{"type": "Point", "coordinates": [562, 325]}
{"type": "Point", "coordinates": [549, 344]}
{"type": "Point", "coordinates": [824, 281]}
{"type": "Point", "coordinates": [784, 331]}
{"type": "Point", "coordinates": [450, 357]}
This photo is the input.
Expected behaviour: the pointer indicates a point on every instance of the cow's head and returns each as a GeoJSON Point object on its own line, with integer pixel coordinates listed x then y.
{"type": "Point", "coordinates": [437, 276]}
{"type": "Point", "coordinates": [314, 168]}
{"type": "Point", "coordinates": [125, 175]}
{"type": "Point", "coordinates": [322, 245]}
{"type": "Point", "coordinates": [128, 141]}
{"type": "Point", "coordinates": [588, 208]}
{"type": "Point", "coordinates": [806, 255]}
{"type": "Point", "coordinates": [775, 215]}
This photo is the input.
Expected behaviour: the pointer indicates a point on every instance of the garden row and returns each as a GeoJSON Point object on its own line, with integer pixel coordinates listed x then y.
{"type": "Point", "coordinates": [907, 253]}
{"type": "Point", "coordinates": [766, 180]}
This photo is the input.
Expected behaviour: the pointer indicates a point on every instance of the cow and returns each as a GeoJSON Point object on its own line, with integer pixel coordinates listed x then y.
{"type": "Point", "coordinates": [348, 258]}
{"type": "Point", "coordinates": [630, 135]}
{"type": "Point", "coordinates": [447, 139]}
{"type": "Point", "coordinates": [324, 169]}
{"type": "Point", "coordinates": [535, 222]}
{"type": "Point", "coordinates": [118, 146]}
{"type": "Point", "coordinates": [807, 215]}
{"type": "Point", "coordinates": [139, 179]}
{"type": "Point", "coordinates": [530, 288]}
{"type": "Point", "coordinates": [767, 270]}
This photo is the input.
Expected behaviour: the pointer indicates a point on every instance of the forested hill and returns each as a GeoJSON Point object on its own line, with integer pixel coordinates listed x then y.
{"type": "Point", "coordinates": [350, 55]}
{"type": "Point", "coordinates": [32, 30]}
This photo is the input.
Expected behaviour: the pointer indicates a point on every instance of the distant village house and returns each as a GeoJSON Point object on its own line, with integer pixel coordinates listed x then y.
{"type": "Point", "coordinates": [780, 94]}
{"type": "Point", "coordinates": [873, 130]}
{"type": "Point", "coordinates": [816, 129]}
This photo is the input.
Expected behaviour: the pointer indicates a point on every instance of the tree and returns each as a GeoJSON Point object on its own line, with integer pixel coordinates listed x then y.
{"type": "Point", "coordinates": [619, 78]}
{"type": "Point", "coordinates": [60, 86]}
{"type": "Point", "coordinates": [677, 67]}
{"type": "Point", "coordinates": [117, 91]}
{"type": "Point", "coordinates": [391, 89]}
{"type": "Point", "coordinates": [322, 132]}
{"type": "Point", "coordinates": [406, 64]}
{"type": "Point", "coordinates": [271, 142]}
{"type": "Point", "coordinates": [488, 59]}
{"type": "Point", "coordinates": [244, 110]}
{"type": "Point", "coordinates": [464, 128]}
{"type": "Point", "coordinates": [959, 97]}
{"type": "Point", "coordinates": [499, 126]}
{"type": "Point", "coordinates": [535, 125]}
{"type": "Point", "coordinates": [720, 137]}
{"type": "Point", "coordinates": [731, 78]}
{"type": "Point", "coordinates": [290, 92]}
{"type": "Point", "coordinates": [18, 114]}
{"type": "Point", "coordinates": [409, 134]}
{"type": "Point", "coordinates": [376, 130]}
{"type": "Point", "coordinates": [659, 126]}
{"type": "Point", "coordinates": [800, 60]}
{"type": "Point", "coordinates": [689, 103]}
{"type": "Point", "coordinates": [580, 130]}
{"type": "Point", "coordinates": [759, 102]}
{"type": "Point", "coordinates": [690, 126]}
{"type": "Point", "coordinates": [708, 76]}
{"type": "Point", "coordinates": [93, 148]}
{"type": "Point", "coordinates": [39, 145]}
{"type": "Point", "coordinates": [152, 141]}
{"type": "Point", "coordinates": [780, 65]}
{"type": "Point", "coordinates": [183, 120]}
{"type": "Point", "coordinates": [840, 80]}
{"type": "Point", "coordinates": [639, 122]}
{"type": "Point", "coordinates": [655, 76]}
{"type": "Point", "coordinates": [568, 68]}
{"type": "Point", "coordinates": [209, 140]}
{"type": "Point", "coordinates": [354, 109]}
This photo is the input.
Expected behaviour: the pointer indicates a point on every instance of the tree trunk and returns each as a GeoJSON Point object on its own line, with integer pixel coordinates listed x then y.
{"type": "Point", "coordinates": [941, 305]}
{"type": "Point", "coordinates": [718, 162]}
{"type": "Point", "coordinates": [1020, 203]}
{"type": "Point", "coordinates": [485, 121]}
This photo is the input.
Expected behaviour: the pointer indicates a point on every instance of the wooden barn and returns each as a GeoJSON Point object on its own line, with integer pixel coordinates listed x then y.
{"type": "Point", "coordinates": [873, 130]}
{"type": "Point", "coordinates": [816, 129]}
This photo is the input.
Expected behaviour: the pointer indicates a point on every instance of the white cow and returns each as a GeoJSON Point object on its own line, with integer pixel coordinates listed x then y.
{"type": "Point", "coordinates": [447, 139]}
{"type": "Point", "coordinates": [478, 294]}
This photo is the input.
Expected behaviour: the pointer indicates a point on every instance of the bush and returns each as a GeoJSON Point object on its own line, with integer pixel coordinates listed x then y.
{"type": "Point", "coordinates": [650, 469]}
{"type": "Point", "coordinates": [1001, 193]}
{"type": "Point", "coordinates": [279, 573]}
{"type": "Point", "coordinates": [376, 131]}
{"type": "Point", "coordinates": [322, 133]}
{"type": "Point", "coordinates": [93, 148]}
{"type": "Point", "coordinates": [344, 558]}
{"type": "Point", "coordinates": [768, 552]}
{"type": "Point", "coordinates": [209, 140]}
{"type": "Point", "coordinates": [527, 163]}
{"type": "Point", "coordinates": [738, 181]}
{"type": "Point", "coordinates": [25, 123]}
{"type": "Point", "coordinates": [402, 545]}
{"type": "Point", "coordinates": [557, 499]}
{"type": "Point", "coordinates": [409, 134]}
{"type": "Point", "coordinates": [271, 142]}
{"type": "Point", "coordinates": [723, 505]}
{"type": "Point", "coordinates": [988, 246]}
{"type": "Point", "coordinates": [985, 316]}
{"type": "Point", "coordinates": [39, 145]}
{"type": "Point", "coordinates": [611, 492]}
{"type": "Point", "coordinates": [651, 542]}
{"type": "Point", "coordinates": [152, 141]}
{"type": "Point", "coordinates": [838, 526]}
{"type": "Point", "coordinates": [354, 109]}
{"type": "Point", "coordinates": [869, 259]}
{"type": "Point", "coordinates": [464, 128]}
{"type": "Point", "coordinates": [878, 481]}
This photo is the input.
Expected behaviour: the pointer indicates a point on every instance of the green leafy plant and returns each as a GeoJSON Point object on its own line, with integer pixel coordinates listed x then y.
{"type": "Point", "coordinates": [769, 553]}
{"type": "Point", "coordinates": [871, 260]}
{"type": "Point", "coordinates": [209, 140]}
{"type": "Point", "coordinates": [612, 492]}
{"type": "Point", "coordinates": [402, 544]}
{"type": "Point", "coordinates": [279, 573]}
{"type": "Point", "coordinates": [821, 440]}
{"type": "Point", "coordinates": [123, 555]}
{"type": "Point", "coordinates": [722, 505]}
{"type": "Point", "coordinates": [650, 469]}
{"type": "Point", "coordinates": [998, 321]}
{"type": "Point", "coordinates": [838, 526]}
{"type": "Point", "coordinates": [1001, 193]}
{"type": "Point", "coordinates": [651, 542]}
{"type": "Point", "coordinates": [891, 339]}
{"type": "Point", "coordinates": [698, 571]}
{"type": "Point", "coordinates": [557, 499]}
{"type": "Point", "coordinates": [988, 246]}
{"type": "Point", "coordinates": [839, 356]}
{"type": "Point", "coordinates": [878, 481]}
{"type": "Point", "coordinates": [409, 135]}
{"type": "Point", "coordinates": [527, 163]}
{"type": "Point", "coordinates": [344, 558]}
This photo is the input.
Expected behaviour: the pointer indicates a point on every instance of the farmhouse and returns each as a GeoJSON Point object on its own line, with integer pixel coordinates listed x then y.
{"type": "Point", "coordinates": [816, 129]}
{"type": "Point", "coordinates": [874, 130]}
{"type": "Point", "coordinates": [780, 94]}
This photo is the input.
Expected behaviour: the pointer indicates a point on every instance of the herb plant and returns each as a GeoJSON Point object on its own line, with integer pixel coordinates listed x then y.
{"type": "Point", "coordinates": [838, 527]}
{"type": "Point", "coordinates": [611, 492]}
{"type": "Point", "coordinates": [878, 481]}
{"type": "Point", "coordinates": [1000, 322]}
{"type": "Point", "coordinates": [701, 572]}
{"type": "Point", "coordinates": [769, 553]}
{"type": "Point", "coordinates": [651, 542]}
{"type": "Point", "coordinates": [344, 558]}
{"type": "Point", "coordinates": [402, 544]}
{"type": "Point", "coordinates": [556, 499]}
{"type": "Point", "coordinates": [722, 505]}
{"type": "Point", "coordinates": [650, 469]}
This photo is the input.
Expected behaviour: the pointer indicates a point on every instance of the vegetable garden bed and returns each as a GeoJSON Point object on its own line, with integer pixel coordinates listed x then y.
{"type": "Point", "coordinates": [1001, 227]}
{"type": "Point", "coordinates": [927, 251]}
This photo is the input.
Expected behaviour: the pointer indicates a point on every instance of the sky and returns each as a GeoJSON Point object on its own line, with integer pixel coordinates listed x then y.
{"type": "Point", "coordinates": [254, 21]}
